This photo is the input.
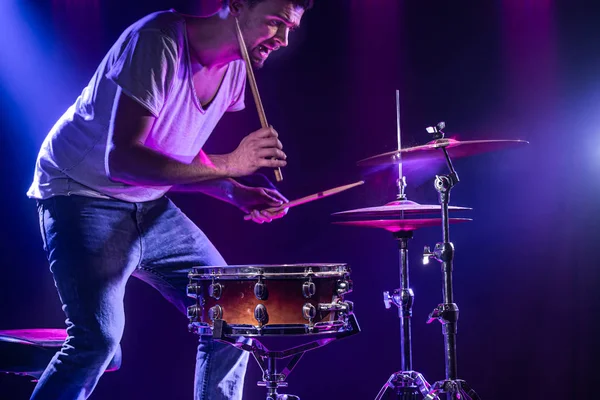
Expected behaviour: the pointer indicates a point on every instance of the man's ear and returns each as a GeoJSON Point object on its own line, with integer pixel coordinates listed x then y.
{"type": "Point", "coordinates": [236, 6]}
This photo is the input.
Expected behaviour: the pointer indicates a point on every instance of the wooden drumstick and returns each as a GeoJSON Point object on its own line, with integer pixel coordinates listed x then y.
{"type": "Point", "coordinates": [309, 198]}
{"type": "Point", "coordinates": [254, 88]}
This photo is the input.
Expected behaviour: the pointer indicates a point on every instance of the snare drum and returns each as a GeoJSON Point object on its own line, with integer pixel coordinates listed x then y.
{"type": "Point", "coordinates": [261, 300]}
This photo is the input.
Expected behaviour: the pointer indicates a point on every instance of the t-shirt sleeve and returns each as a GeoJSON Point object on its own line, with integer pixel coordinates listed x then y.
{"type": "Point", "coordinates": [146, 68]}
{"type": "Point", "coordinates": [238, 88]}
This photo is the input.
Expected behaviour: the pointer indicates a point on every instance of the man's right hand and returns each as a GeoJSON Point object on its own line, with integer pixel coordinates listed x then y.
{"type": "Point", "coordinates": [133, 163]}
{"type": "Point", "coordinates": [259, 149]}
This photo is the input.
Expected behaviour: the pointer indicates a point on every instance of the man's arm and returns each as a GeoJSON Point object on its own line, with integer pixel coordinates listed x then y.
{"type": "Point", "coordinates": [260, 192]}
{"type": "Point", "coordinates": [221, 188]}
{"type": "Point", "coordinates": [129, 161]}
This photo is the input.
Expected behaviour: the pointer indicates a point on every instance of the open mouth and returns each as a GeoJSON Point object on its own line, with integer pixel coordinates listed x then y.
{"type": "Point", "coordinates": [263, 51]}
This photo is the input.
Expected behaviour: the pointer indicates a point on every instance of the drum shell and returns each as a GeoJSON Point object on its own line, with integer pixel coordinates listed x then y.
{"type": "Point", "coordinates": [284, 303]}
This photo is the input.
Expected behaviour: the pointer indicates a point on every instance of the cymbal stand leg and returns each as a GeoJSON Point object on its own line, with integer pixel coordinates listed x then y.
{"type": "Point", "coordinates": [406, 385]}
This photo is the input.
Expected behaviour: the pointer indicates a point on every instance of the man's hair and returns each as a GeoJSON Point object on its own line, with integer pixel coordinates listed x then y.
{"type": "Point", "coordinates": [306, 4]}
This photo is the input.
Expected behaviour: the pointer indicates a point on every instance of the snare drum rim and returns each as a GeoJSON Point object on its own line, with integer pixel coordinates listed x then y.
{"type": "Point", "coordinates": [270, 271]}
{"type": "Point", "coordinates": [236, 330]}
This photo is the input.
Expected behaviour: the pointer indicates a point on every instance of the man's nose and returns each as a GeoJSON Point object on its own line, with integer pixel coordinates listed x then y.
{"type": "Point", "coordinates": [282, 35]}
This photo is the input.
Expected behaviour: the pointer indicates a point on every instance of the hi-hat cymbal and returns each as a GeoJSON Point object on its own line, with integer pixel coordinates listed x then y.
{"type": "Point", "coordinates": [400, 224]}
{"type": "Point", "coordinates": [398, 208]}
{"type": "Point", "coordinates": [432, 151]}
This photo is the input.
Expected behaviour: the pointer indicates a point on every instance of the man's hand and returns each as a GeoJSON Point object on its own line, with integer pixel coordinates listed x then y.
{"type": "Point", "coordinates": [256, 200]}
{"type": "Point", "coordinates": [259, 149]}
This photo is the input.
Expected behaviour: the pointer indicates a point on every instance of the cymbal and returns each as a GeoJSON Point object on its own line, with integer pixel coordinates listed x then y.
{"type": "Point", "coordinates": [432, 151]}
{"type": "Point", "coordinates": [397, 208]}
{"type": "Point", "coordinates": [400, 224]}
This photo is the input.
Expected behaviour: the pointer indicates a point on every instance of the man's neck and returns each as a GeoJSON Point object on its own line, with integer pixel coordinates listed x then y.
{"type": "Point", "coordinates": [212, 40]}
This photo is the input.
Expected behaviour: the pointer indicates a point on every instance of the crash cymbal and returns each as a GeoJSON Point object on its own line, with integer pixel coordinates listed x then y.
{"type": "Point", "coordinates": [397, 208]}
{"type": "Point", "coordinates": [400, 224]}
{"type": "Point", "coordinates": [432, 151]}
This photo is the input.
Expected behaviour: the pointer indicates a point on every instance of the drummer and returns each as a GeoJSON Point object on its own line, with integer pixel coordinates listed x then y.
{"type": "Point", "coordinates": [136, 132]}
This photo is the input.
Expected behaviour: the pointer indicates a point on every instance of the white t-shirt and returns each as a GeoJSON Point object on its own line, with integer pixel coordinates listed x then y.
{"type": "Point", "coordinates": [150, 62]}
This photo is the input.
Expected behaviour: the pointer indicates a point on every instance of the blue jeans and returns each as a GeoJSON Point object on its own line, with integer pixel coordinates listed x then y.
{"type": "Point", "coordinates": [94, 246]}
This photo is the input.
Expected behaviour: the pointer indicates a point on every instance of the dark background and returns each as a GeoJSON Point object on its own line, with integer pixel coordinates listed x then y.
{"type": "Point", "coordinates": [526, 269]}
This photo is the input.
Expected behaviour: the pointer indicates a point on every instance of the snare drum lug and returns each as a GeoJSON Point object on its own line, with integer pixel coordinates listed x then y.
{"type": "Point", "coordinates": [309, 311]}
{"type": "Point", "coordinates": [260, 291]}
{"type": "Point", "coordinates": [309, 289]}
{"type": "Point", "coordinates": [193, 290]}
{"type": "Point", "coordinates": [215, 312]}
{"type": "Point", "coordinates": [215, 290]}
{"type": "Point", "coordinates": [261, 315]}
{"type": "Point", "coordinates": [193, 312]}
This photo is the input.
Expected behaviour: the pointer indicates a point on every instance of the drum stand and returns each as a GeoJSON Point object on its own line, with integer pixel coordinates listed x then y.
{"type": "Point", "coordinates": [447, 312]}
{"type": "Point", "coordinates": [267, 359]}
{"type": "Point", "coordinates": [406, 383]}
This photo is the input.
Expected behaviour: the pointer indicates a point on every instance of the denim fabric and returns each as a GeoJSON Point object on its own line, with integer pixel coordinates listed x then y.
{"type": "Point", "coordinates": [94, 246]}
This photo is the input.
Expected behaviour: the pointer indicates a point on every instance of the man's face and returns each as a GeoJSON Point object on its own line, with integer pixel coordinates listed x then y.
{"type": "Point", "coordinates": [266, 27]}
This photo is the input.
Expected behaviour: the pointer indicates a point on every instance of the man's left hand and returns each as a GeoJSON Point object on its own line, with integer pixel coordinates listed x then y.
{"type": "Point", "coordinates": [262, 204]}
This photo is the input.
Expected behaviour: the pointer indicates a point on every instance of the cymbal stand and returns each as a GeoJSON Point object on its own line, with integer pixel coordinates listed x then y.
{"type": "Point", "coordinates": [447, 312]}
{"type": "Point", "coordinates": [406, 384]}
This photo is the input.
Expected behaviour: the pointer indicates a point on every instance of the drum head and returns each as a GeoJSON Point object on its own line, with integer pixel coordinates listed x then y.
{"type": "Point", "coordinates": [273, 271]}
